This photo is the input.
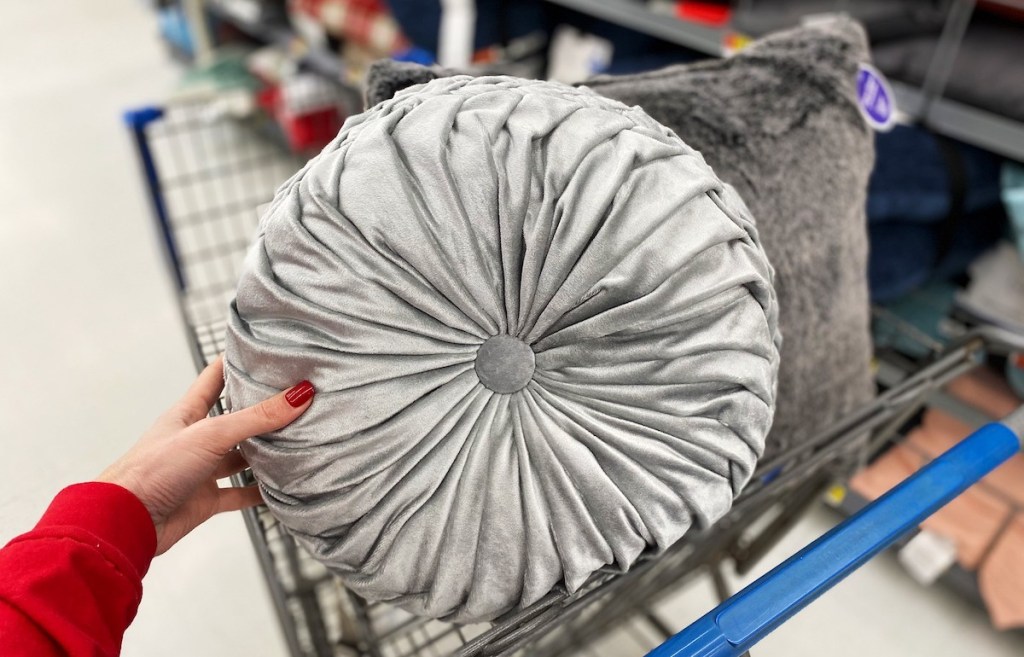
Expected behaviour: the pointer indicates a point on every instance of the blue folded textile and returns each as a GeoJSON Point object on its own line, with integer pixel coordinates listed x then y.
{"type": "Point", "coordinates": [913, 181]}
{"type": "Point", "coordinates": [933, 206]}
{"type": "Point", "coordinates": [905, 255]}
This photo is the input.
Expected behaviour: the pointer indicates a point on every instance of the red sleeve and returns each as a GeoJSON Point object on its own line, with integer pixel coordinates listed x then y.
{"type": "Point", "coordinates": [73, 584]}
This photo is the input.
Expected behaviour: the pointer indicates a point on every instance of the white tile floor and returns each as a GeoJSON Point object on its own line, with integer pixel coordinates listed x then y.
{"type": "Point", "coordinates": [91, 351]}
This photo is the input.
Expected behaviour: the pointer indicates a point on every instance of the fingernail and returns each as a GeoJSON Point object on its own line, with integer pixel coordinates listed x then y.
{"type": "Point", "coordinates": [299, 394]}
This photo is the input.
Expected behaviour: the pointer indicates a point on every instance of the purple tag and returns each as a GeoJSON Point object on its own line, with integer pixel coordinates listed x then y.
{"type": "Point", "coordinates": [875, 98]}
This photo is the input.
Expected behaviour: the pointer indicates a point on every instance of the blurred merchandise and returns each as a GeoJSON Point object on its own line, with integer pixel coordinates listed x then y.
{"type": "Point", "coordinates": [995, 293]}
{"type": "Point", "coordinates": [307, 108]}
{"type": "Point", "coordinates": [937, 194]}
{"type": "Point", "coordinates": [1005, 8]}
{"type": "Point", "coordinates": [984, 525]}
{"type": "Point", "coordinates": [509, 31]}
{"type": "Point", "coordinates": [927, 556]}
{"type": "Point", "coordinates": [174, 29]}
{"type": "Point", "coordinates": [366, 23]}
{"type": "Point", "coordinates": [228, 70]}
{"type": "Point", "coordinates": [716, 14]}
{"type": "Point", "coordinates": [908, 254]}
{"type": "Point", "coordinates": [1013, 198]}
{"type": "Point", "coordinates": [357, 60]}
{"type": "Point", "coordinates": [1015, 372]}
{"type": "Point", "coordinates": [498, 22]}
{"type": "Point", "coordinates": [921, 176]}
{"type": "Point", "coordinates": [252, 11]}
{"type": "Point", "coordinates": [576, 56]}
{"type": "Point", "coordinates": [271, 64]}
{"type": "Point", "coordinates": [1001, 578]}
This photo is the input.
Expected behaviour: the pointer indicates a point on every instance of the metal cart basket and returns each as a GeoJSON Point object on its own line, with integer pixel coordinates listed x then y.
{"type": "Point", "coordinates": [207, 169]}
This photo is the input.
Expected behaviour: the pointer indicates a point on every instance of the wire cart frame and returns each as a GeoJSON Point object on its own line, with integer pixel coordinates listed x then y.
{"type": "Point", "coordinates": [207, 169]}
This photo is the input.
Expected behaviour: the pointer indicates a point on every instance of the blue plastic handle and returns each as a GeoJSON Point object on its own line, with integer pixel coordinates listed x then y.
{"type": "Point", "coordinates": [744, 619]}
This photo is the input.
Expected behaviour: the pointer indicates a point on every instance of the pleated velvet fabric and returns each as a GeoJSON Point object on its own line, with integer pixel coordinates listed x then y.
{"type": "Point", "coordinates": [543, 336]}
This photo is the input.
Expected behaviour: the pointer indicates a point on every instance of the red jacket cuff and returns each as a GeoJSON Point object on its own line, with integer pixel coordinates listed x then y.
{"type": "Point", "coordinates": [110, 513]}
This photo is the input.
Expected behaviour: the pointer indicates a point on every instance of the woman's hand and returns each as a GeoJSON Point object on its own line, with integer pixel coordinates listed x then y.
{"type": "Point", "coordinates": [174, 467]}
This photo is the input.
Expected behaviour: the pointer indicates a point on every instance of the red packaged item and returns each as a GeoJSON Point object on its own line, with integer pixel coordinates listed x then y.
{"type": "Point", "coordinates": [308, 110]}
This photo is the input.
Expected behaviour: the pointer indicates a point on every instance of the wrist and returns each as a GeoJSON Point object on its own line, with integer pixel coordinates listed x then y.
{"type": "Point", "coordinates": [111, 513]}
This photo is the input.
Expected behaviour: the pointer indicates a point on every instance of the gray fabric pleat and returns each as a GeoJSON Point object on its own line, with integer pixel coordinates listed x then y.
{"type": "Point", "coordinates": [543, 336]}
{"type": "Point", "coordinates": [779, 122]}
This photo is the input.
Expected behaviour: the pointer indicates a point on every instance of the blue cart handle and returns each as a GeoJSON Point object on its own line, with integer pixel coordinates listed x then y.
{"type": "Point", "coordinates": [747, 617]}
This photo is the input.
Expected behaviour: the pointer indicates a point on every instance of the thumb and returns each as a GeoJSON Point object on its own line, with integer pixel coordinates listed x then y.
{"type": "Point", "coordinates": [223, 432]}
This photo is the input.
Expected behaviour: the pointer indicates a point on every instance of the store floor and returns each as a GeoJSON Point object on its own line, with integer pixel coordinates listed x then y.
{"type": "Point", "coordinates": [91, 350]}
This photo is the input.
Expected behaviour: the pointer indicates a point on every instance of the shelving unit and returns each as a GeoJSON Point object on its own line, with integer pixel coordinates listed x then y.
{"type": "Point", "coordinates": [917, 104]}
{"type": "Point", "coordinates": [949, 117]}
{"type": "Point", "coordinates": [316, 59]}
{"type": "Point", "coordinates": [960, 121]}
{"type": "Point", "coordinates": [637, 16]}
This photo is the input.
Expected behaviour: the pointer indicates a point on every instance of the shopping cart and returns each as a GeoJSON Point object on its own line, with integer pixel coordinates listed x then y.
{"type": "Point", "coordinates": [208, 169]}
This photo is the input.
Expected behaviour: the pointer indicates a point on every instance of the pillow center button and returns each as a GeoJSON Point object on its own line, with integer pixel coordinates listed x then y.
{"type": "Point", "coordinates": [505, 364]}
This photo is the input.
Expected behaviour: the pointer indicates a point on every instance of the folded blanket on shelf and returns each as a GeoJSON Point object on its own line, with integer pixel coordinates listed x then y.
{"type": "Point", "coordinates": [934, 193]}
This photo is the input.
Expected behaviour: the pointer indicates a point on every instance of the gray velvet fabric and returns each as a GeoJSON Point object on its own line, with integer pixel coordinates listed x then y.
{"type": "Point", "coordinates": [779, 122]}
{"type": "Point", "coordinates": [543, 336]}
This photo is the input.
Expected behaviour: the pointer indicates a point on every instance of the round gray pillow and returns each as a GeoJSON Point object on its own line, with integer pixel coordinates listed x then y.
{"type": "Point", "coordinates": [542, 334]}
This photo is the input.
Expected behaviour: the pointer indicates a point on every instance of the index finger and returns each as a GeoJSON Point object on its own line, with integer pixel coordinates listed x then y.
{"type": "Point", "coordinates": [203, 393]}
{"type": "Point", "coordinates": [223, 432]}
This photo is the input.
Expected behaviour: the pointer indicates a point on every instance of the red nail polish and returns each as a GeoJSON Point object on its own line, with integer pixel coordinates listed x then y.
{"type": "Point", "coordinates": [299, 394]}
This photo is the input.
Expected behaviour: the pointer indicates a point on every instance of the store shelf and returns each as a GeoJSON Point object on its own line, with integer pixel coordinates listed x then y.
{"type": "Point", "coordinates": [637, 16]}
{"type": "Point", "coordinates": [975, 126]}
{"type": "Point", "coordinates": [958, 120]}
{"type": "Point", "coordinates": [280, 34]}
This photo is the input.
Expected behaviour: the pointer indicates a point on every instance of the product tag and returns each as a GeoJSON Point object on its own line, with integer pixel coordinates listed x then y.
{"type": "Point", "coordinates": [927, 556]}
{"type": "Point", "coordinates": [875, 98]}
